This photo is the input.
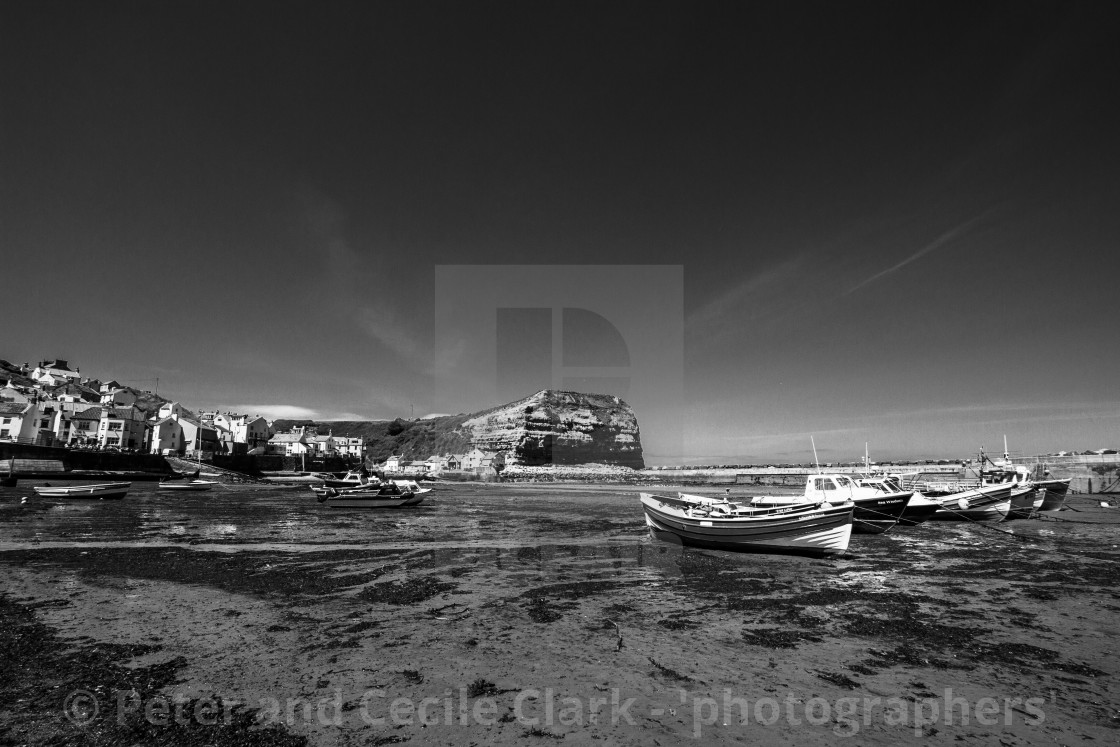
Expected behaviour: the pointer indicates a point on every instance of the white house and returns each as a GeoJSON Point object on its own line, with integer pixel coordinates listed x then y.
{"type": "Point", "coordinates": [394, 463]}
{"type": "Point", "coordinates": [473, 459]}
{"type": "Point", "coordinates": [17, 421]}
{"type": "Point", "coordinates": [169, 409]}
{"type": "Point", "coordinates": [197, 435]}
{"type": "Point", "coordinates": [12, 393]}
{"type": "Point", "coordinates": [349, 446]}
{"type": "Point", "coordinates": [167, 435]}
{"type": "Point", "coordinates": [321, 445]}
{"type": "Point", "coordinates": [84, 425]}
{"type": "Point", "coordinates": [288, 444]}
{"type": "Point", "coordinates": [52, 373]}
{"type": "Point", "coordinates": [244, 429]}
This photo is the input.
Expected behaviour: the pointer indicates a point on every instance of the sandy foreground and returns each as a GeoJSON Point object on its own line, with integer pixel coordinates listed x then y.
{"type": "Point", "coordinates": [520, 613]}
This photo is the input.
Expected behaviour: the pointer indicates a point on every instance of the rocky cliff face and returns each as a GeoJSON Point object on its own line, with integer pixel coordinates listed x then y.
{"type": "Point", "coordinates": [554, 427]}
{"type": "Point", "coordinates": [549, 427]}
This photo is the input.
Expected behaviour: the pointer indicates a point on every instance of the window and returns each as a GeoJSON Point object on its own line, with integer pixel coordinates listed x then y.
{"type": "Point", "coordinates": [4, 433]}
{"type": "Point", "coordinates": [823, 483]}
{"type": "Point", "coordinates": [7, 421]}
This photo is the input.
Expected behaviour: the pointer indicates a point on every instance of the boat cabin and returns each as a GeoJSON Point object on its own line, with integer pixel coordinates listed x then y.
{"type": "Point", "coordinates": [831, 488]}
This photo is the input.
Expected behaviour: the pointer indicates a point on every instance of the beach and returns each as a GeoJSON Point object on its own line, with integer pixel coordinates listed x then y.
{"type": "Point", "coordinates": [506, 613]}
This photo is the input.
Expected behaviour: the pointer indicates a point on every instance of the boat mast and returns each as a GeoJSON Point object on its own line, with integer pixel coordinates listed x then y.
{"type": "Point", "coordinates": [815, 460]}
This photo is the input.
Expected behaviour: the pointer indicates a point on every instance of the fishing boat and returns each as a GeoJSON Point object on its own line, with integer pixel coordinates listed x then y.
{"type": "Point", "coordinates": [875, 512]}
{"type": "Point", "coordinates": [1054, 494]}
{"type": "Point", "coordinates": [352, 479]}
{"type": "Point", "coordinates": [984, 503]}
{"type": "Point", "coordinates": [106, 491]}
{"type": "Point", "coordinates": [369, 496]}
{"type": "Point", "coordinates": [411, 485]}
{"type": "Point", "coordinates": [815, 530]}
{"type": "Point", "coordinates": [192, 485]}
{"type": "Point", "coordinates": [918, 509]}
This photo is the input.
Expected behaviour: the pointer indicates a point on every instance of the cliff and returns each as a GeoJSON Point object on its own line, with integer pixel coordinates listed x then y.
{"type": "Point", "coordinates": [549, 427]}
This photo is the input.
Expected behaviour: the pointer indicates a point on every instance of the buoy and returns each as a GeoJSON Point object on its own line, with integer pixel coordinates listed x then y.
{"type": "Point", "coordinates": [963, 503]}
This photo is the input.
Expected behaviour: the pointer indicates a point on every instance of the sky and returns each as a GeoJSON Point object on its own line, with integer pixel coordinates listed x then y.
{"type": "Point", "coordinates": [881, 223]}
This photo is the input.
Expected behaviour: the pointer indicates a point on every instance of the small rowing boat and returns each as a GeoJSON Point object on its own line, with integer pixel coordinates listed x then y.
{"type": "Point", "coordinates": [815, 530]}
{"type": "Point", "coordinates": [106, 491]}
{"type": "Point", "coordinates": [193, 485]}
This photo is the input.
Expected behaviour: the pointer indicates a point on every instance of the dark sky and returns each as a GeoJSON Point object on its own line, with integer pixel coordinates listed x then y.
{"type": "Point", "coordinates": [897, 222]}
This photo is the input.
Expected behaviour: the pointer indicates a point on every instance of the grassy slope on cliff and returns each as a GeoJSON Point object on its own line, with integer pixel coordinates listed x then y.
{"type": "Point", "coordinates": [415, 439]}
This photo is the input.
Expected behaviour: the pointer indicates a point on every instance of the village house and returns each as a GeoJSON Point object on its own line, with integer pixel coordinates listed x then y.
{"type": "Point", "coordinates": [197, 436]}
{"type": "Point", "coordinates": [12, 393]}
{"type": "Point", "coordinates": [61, 413]}
{"type": "Point", "coordinates": [252, 431]}
{"type": "Point", "coordinates": [472, 460]}
{"type": "Point", "coordinates": [166, 437]}
{"type": "Point", "coordinates": [289, 444]}
{"type": "Point", "coordinates": [122, 428]}
{"type": "Point", "coordinates": [74, 392]}
{"type": "Point", "coordinates": [394, 463]}
{"type": "Point", "coordinates": [321, 445]}
{"type": "Point", "coordinates": [53, 373]}
{"type": "Point", "coordinates": [171, 409]}
{"type": "Point", "coordinates": [492, 464]}
{"type": "Point", "coordinates": [83, 427]}
{"type": "Point", "coordinates": [16, 421]}
{"type": "Point", "coordinates": [349, 446]}
{"type": "Point", "coordinates": [121, 397]}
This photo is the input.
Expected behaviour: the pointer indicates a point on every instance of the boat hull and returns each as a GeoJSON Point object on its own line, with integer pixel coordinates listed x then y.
{"type": "Point", "coordinates": [112, 491]}
{"type": "Point", "coordinates": [795, 530]}
{"type": "Point", "coordinates": [872, 515]}
{"type": "Point", "coordinates": [918, 511]}
{"type": "Point", "coordinates": [989, 503]}
{"type": "Point", "coordinates": [1054, 496]}
{"type": "Point", "coordinates": [373, 497]}
{"type": "Point", "coordinates": [1022, 502]}
{"type": "Point", "coordinates": [354, 501]}
{"type": "Point", "coordinates": [194, 486]}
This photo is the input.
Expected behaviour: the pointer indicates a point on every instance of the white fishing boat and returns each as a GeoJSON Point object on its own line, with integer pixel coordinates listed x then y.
{"type": "Point", "coordinates": [876, 511]}
{"type": "Point", "coordinates": [984, 503]}
{"type": "Point", "coordinates": [105, 491]}
{"type": "Point", "coordinates": [354, 478]}
{"type": "Point", "coordinates": [368, 496]}
{"type": "Point", "coordinates": [411, 485]}
{"type": "Point", "coordinates": [815, 530]}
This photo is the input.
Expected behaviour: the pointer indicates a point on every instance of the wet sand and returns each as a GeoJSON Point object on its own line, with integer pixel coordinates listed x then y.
{"type": "Point", "coordinates": [520, 612]}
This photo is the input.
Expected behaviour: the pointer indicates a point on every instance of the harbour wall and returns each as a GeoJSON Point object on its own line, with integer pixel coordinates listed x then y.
{"type": "Point", "coordinates": [81, 459]}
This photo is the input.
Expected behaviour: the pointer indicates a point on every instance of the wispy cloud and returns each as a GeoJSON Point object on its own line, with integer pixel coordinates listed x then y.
{"type": "Point", "coordinates": [944, 239]}
{"type": "Point", "coordinates": [745, 300]}
{"type": "Point", "coordinates": [1016, 411]}
{"type": "Point", "coordinates": [351, 289]}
